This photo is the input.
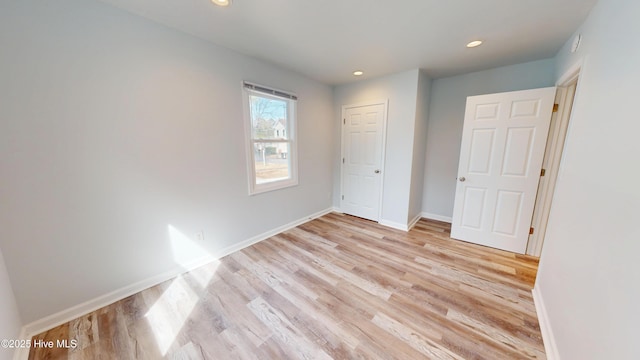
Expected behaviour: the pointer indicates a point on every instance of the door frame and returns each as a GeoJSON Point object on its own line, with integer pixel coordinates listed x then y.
{"type": "Point", "coordinates": [385, 105]}
{"type": "Point", "coordinates": [567, 93]}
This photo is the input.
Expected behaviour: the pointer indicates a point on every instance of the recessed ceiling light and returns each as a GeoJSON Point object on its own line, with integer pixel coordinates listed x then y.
{"type": "Point", "coordinates": [474, 43]}
{"type": "Point", "coordinates": [358, 73]}
{"type": "Point", "coordinates": [221, 2]}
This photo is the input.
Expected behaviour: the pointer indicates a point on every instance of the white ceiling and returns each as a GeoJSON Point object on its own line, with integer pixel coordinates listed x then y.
{"type": "Point", "coordinates": [328, 40]}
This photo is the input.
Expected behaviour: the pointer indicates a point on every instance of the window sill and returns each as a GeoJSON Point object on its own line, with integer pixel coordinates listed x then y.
{"type": "Point", "coordinates": [276, 185]}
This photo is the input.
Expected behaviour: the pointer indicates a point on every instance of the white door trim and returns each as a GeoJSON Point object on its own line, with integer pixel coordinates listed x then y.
{"type": "Point", "coordinates": [385, 104]}
{"type": "Point", "coordinates": [567, 89]}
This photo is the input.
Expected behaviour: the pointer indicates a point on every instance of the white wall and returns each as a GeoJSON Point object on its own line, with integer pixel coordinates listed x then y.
{"type": "Point", "coordinates": [589, 275]}
{"type": "Point", "coordinates": [419, 146]}
{"type": "Point", "coordinates": [114, 128]}
{"type": "Point", "coordinates": [446, 117]}
{"type": "Point", "coordinates": [10, 323]}
{"type": "Point", "coordinates": [400, 89]}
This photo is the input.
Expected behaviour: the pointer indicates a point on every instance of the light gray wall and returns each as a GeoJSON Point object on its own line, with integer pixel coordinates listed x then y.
{"type": "Point", "coordinates": [400, 89]}
{"type": "Point", "coordinates": [446, 117]}
{"type": "Point", "coordinates": [419, 146]}
{"type": "Point", "coordinates": [589, 275]}
{"type": "Point", "coordinates": [114, 128]}
{"type": "Point", "coordinates": [10, 323]}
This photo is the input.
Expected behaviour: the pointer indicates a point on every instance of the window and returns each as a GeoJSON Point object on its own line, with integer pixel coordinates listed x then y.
{"type": "Point", "coordinates": [270, 128]}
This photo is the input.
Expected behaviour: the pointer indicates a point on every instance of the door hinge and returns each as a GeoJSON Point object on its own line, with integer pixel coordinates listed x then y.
{"type": "Point", "coordinates": [530, 231]}
{"type": "Point", "coordinates": [344, 121]}
{"type": "Point", "coordinates": [542, 172]}
{"type": "Point", "coordinates": [555, 107]}
{"type": "Point", "coordinates": [342, 197]}
{"type": "Point", "coordinates": [343, 160]}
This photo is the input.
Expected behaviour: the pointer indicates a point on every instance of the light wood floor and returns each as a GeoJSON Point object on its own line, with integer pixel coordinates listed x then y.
{"type": "Point", "coordinates": [336, 287]}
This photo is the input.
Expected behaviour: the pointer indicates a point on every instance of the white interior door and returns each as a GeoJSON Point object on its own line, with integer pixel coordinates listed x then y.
{"type": "Point", "coordinates": [363, 144]}
{"type": "Point", "coordinates": [503, 144]}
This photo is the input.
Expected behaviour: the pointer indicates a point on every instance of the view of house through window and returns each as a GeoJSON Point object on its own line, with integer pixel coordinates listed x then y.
{"type": "Point", "coordinates": [271, 142]}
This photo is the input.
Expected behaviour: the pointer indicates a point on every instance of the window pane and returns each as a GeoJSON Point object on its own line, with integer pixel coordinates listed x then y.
{"type": "Point", "coordinates": [272, 162]}
{"type": "Point", "coordinates": [271, 121]}
{"type": "Point", "coordinates": [268, 118]}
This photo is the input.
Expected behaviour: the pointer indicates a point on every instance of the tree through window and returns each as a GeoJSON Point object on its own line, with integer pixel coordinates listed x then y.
{"type": "Point", "coordinates": [271, 120]}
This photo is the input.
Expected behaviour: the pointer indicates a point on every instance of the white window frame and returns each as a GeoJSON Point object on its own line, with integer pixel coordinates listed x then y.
{"type": "Point", "coordinates": [291, 99]}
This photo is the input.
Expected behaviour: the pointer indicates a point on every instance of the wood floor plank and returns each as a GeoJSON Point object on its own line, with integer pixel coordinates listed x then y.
{"type": "Point", "coordinates": [337, 287]}
{"type": "Point", "coordinates": [425, 345]}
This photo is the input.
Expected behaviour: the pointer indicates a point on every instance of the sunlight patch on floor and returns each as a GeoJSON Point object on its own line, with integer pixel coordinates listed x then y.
{"type": "Point", "coordinates": [169, 313]}
{"type": "Point", "coordinates": [167, 316]}
{"type": "Point", "coordinates": [204, 274]}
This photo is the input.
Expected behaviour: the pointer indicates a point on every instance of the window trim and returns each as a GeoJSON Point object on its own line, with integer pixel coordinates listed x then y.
{"type": "Point", "coordinates": [291, 128]}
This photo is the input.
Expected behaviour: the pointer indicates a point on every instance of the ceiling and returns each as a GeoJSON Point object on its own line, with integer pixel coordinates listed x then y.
{"type": "Point", "coordinates": [328, 40]}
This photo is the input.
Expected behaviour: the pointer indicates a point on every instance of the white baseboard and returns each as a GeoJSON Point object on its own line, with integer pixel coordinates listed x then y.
{"type": "Point", "coordinates": [79, 310]}
{"type": "Point", "coordinates": [415, 220]}
{"type": "Point", "coordinates": [74, 312]}
{"type": "Point", "coordinates": [393, 224]}
{"type": "Point", "coordinates": [256, 239]}
{"type": "Point", "coordinates": [400, 226]}
{"type": "Point", "coordinates": [437, 217]}
{"type": "Point", "coordinates": [550, 346]}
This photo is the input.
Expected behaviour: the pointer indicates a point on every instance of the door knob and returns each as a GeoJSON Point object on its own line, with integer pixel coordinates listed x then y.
{"type": "Point", "coordinates": [377, 171]}
{"type": "Point", "coordinates": [462, 179]}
